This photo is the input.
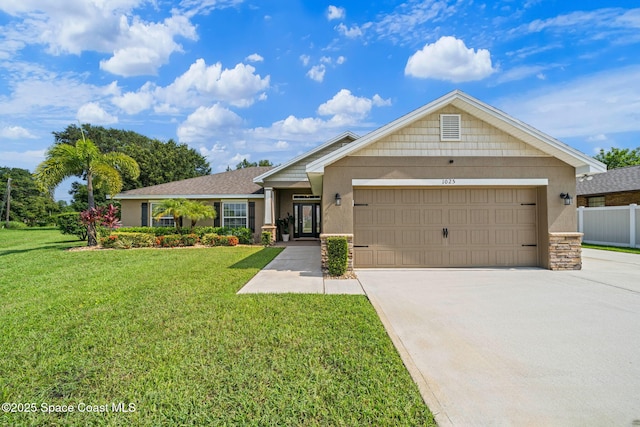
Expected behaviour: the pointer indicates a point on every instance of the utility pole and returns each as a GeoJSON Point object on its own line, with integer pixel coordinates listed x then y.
{"type": "Point", "coordinates": [8, 200]}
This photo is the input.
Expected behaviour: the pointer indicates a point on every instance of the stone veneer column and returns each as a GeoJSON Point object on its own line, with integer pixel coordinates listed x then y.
{"type": "Point", "coordinates": [565, 251]}
{"type": "Point", "coordinates": [325, 257]}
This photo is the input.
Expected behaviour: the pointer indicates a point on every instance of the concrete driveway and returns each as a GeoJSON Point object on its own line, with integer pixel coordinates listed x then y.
{"type": "Point", "coordinates": [521, 347]}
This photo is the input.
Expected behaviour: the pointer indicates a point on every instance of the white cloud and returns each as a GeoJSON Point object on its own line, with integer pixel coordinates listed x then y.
{"type": "Point", "coordinates": [378, 101]}
{"type": "Point", "coordinates": [598, 138]}
{"type": "Point", "coordinates": [317, 72]}
{"type": "Point", "coordinates": [341, 60]}
{"type": "Point", "coordinates": [334, 12]}
{"type": "Point", "coordinates": [351, 33]}
{"type": "Point", "coordinates": [144, 48]}
{"type": "Point", "coordinates": [450, 59]}
{"type": "Point", "coordinates": [200, 84]}
{"type": "Point", "coordinates": [254, 57]}
{"type": "Point", "coordinates": [519, 73]}
{"type": "Point", "coordinates": [346, 104]}
{"type": "Point", "coordinates": [93, 113]}
{"type": "Point", "coordinates": [305, 59]}
{"type": "Point", "coordinates": [282, 145]}
{"type": "Point", "coordinates": [205, 122]}
{"type": "Point", "coordinates": [602, 103]}
{"type": "Point", "coordinates": [75, 26]}
{"type": "Point", "coordinates": [16, 132]}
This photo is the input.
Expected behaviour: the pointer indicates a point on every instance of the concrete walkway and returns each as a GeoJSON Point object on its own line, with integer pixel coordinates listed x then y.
{"type": "Point", "coordinates": [297, 270]}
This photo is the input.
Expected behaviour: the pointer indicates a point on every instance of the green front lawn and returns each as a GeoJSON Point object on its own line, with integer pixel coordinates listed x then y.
{"type": "Point", "coordinates": [612, 248]}
{"type": "Point", "coordinates": [164, 331]}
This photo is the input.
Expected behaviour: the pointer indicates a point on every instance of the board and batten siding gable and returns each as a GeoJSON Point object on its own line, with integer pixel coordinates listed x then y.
{"type": "Point", "coordinates": [478, 138]}
{"type": "Point", "coordinates": [297, 171]}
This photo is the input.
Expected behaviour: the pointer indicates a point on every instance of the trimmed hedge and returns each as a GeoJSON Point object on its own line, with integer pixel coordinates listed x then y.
{"type": "Point", "coordinates": [337, 254]}
{"type": "Point", "coordinates": [216, 240]}
{"type": "Point", "coordinates": [124, 240]}
{"type": "Point", "coordinates": [244, 235]}
{"type": "Point", "coordinates": [175, 240]}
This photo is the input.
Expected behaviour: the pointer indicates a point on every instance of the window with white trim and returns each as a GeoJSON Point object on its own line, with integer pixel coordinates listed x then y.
{"type": "Point", "coordinates": [234, 214]}
{"type": "Point", "coordinates": [165, 221]}
{"type": "Point", "coordinates": [450, 127]}
{"type": "Point", "coordinates": [595, 202]}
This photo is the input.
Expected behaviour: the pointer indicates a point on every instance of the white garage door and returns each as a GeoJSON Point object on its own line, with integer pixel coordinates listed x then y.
{"type": "Point", "coordinates": [452, 227]}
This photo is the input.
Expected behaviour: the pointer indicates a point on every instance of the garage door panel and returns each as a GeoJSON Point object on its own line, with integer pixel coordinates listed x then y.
{"type": "Point", "coordinates": [386, 258]}
{"type": "Point", "coordinates": [363, 257]}
{"type": "Point", "coordinates": [385, 238]}
{"type": "Point", "coordinates": [413, 258]}
{"type": "Point", "coordinates": [411, 197]}
{"type": "Point", "coordinates": [411, 217]}
{"type": "Point", "coordinates": [411, 238]}
{"type": "Point", "coordinates": [457, 216]}
{"type": "Point", "coordinates": [386, 217]}
{"type": "Point", "coordinates": [432, 216]}
{"type": "Point", "coordinates": [486, 226]}
{"type": "Point", "coordinates": [479, 216]}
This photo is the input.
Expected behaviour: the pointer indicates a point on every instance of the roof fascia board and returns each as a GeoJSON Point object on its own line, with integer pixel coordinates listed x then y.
{"type": "Point", "coordinates": [186, 196]}
{"type": "Point", "coordinates": [348, 134]}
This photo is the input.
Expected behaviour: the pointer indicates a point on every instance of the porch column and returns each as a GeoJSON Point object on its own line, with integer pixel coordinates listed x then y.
{"type": "Point", "coordinates": [269, 212]}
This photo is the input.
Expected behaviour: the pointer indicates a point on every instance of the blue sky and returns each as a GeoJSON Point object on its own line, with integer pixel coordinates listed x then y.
{"type": "Point", "coordinates": [241, 79]}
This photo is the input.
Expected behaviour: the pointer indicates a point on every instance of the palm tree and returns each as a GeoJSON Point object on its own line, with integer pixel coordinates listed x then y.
{"type": "Point", "coordinates": [181, 208]}
{"type": "Point", "coordinates": [197, 211]}
{"type": "Point", "coordinates": [104, 170]}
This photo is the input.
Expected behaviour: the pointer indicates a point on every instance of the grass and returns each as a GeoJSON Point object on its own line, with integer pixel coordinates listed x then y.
{"type": "Point", "coordinates": [612, 248]}
{"type": "Point", "coordinates": [164, 331]}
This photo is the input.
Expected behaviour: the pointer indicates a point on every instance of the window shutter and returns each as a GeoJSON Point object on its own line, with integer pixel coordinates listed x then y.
{"type": "Point", "coordinates": [216, 206]}
{"type": "Point", "coordinates": [144, 216]}
{"type": "Point", "coordinates": [252, 216]}
{"type": "Point", "coordinates": [450, 127]}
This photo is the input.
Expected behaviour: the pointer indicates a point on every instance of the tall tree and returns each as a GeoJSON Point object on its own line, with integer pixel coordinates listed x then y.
{"type": "Point", "coordinates": [85, 159]}
{"type": "Point", "coordinates": [619, 157]}
{"type": "Point", "coordinates": [159, 161]}
{"type": "Point", "coordinates": [28, 203]}
{"type": "Point", "coordinates": [247, 164]}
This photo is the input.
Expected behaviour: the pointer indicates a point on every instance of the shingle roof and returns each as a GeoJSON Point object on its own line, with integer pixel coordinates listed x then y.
{"type": "Point", "coordinates": [236, 182]}
{"type": "Point", "coordinates": [612, 181]}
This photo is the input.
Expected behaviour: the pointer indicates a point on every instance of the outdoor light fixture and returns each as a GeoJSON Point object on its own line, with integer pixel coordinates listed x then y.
{"type": "Point", "coordinates": [567, 198]}
{"type": "Point", "coordinates": [338, 199]}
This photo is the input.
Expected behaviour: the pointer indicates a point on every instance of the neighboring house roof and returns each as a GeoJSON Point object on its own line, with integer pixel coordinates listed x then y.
{"type": "Point", "coordinates": [493, 116]}
{"type": "Point", "coordinates": [304, 156]}
{"type": "Point", "coordinates": [613, 181]}
{"type": "Point", "coordinates": [233, 184]}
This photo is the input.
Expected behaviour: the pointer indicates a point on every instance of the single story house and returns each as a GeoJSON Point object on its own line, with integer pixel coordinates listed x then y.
{"type": "Point", "coordinates": [455, 183]}
{"type": "Point", "coordinates": [616, 187]}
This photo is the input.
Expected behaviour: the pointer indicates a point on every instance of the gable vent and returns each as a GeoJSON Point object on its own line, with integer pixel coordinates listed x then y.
{"type": "Point", "coordinates": [450, 127]}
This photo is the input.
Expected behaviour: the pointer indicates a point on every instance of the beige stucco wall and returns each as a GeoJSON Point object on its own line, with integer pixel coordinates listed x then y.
{"type": "Point", "coordinates": [553, 215]}
{"type": "Point", "coordinates": [131, 213]}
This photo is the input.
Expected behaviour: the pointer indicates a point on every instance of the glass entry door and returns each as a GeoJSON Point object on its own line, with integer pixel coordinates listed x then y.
{"type": "Point", "coordinates": [306, 220]}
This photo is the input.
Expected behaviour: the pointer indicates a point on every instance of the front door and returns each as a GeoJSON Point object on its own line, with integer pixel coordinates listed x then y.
{"type": "Point", "coordinates": [306, 220]}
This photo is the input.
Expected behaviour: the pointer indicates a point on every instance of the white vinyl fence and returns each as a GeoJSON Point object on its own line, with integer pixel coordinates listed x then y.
{"type": "Point", "coordinates": [610, 225]}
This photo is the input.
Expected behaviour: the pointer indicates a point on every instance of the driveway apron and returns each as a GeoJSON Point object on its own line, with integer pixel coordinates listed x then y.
{"type": "Point", "coordinates": [521, 347]}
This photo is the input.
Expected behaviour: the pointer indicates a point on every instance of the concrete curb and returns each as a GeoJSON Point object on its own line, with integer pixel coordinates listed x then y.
{"type": "Point", "coordinates": [430, 399]}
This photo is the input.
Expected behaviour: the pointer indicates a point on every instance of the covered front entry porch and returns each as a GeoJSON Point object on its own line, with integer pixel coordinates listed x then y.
{"type": "Point", "coordinates": [301, 209]}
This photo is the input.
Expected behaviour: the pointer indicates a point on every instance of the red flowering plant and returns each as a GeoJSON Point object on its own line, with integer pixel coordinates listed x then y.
{"type": "Point", "coordinates": [101, 216]}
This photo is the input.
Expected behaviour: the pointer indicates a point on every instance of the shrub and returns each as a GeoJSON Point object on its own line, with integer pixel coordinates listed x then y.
{"type": "Point", "coordinates": [337, 254]}
{"type": "Point", "coordinates": [266, 238]}
{"type": "Point", "coordinates": [156, 231]}
{"type": "Point", "coordinates": [69, 223]}
{"type": "Point", "coordinates": [216, 240]}
{"type": "Point", "coordinates": [125, 240]}
{"type": "Point", "coordinates": [244, 235]}
{"type": "Point", "coordinates": [15, 225]}
{"type": "Point", "coordinates": [190, 239]}
{"type": "Point", "coordinates": [169, 241]}
{"type": "Point", "coordinates": [202, 230]}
